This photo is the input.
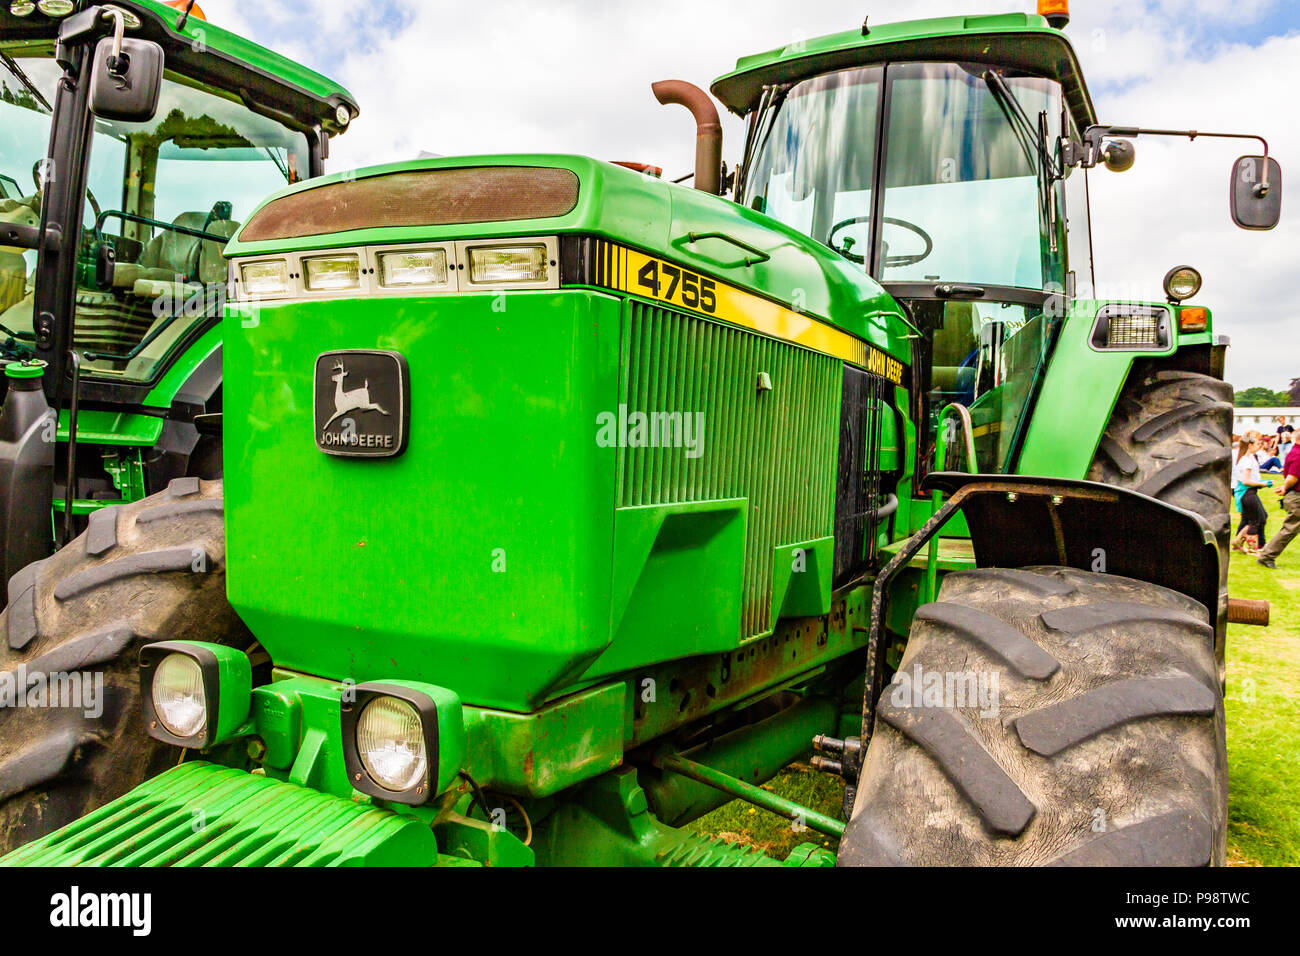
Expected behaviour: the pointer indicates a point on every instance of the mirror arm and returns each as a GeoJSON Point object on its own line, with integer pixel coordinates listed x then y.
{"type": "Point", "coordinates": [1093, 136]}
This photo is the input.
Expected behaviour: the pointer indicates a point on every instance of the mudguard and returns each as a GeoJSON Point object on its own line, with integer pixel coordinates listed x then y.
{"type": "Point", "coordinates": [1019, 521]}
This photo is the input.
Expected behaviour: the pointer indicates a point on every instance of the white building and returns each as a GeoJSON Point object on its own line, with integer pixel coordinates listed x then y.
{"type": "Point", "coordinates": [1262, 419]}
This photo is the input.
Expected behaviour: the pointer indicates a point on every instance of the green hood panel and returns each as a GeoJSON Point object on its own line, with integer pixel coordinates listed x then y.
{"type": "Point", "coordinates": [706, 233]}
{"type": "Point", "coordinates": [199, 814]}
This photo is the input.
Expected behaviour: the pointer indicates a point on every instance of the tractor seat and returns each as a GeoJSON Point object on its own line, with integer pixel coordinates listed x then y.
{"type": "Point", "coordinates": [170, 254]}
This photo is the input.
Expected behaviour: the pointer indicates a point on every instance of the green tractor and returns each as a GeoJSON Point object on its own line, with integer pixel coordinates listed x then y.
{"type": "Point", "coordinates": [563, 504]}
{"type": "Point", "coordinates": [113, 215]}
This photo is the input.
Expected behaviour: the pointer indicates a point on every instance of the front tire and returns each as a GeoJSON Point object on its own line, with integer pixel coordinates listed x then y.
{"type": "Point", "coordinates": [148, 571]}
{"type": "Point", "coordinates": [1105, 745]}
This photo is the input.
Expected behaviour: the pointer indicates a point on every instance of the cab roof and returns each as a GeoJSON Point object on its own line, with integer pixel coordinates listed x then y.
{"type": "Point", "coordinates": [1018, 40]}
{"type": "Point", "coordinates": [214, 54]}
{"type": "Point", "coordinates": [271, 65]}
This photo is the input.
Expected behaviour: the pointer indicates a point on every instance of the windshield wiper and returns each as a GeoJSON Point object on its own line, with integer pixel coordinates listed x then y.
{"type": "Point", "coordinates": [1033, 142]}
{"type": "Point", "coordinates": [764, 123]}
{"type": "Point", "coordinates": [1021, 127]}
{"type": "Point", "coordinates": [12, 66]}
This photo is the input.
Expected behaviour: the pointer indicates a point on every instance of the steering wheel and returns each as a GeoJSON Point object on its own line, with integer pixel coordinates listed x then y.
{"type": "Point", "coordinates": [40, 188]}
{"type": "Point", "coordinates": [891, 262]}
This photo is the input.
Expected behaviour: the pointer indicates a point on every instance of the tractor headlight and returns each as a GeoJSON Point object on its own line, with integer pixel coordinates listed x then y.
{"type": "Point", "coordinates": [1182, 283]}
{"type": "Point", "coordinates": [390, 742]}
{"type": "Point", "coordinates": [507, 265]}
{"type": "Point", "coordinates": [22, 8]}
{"type": "Point", "coordinates": [332, 273]}
{"type": "Point", "coordinates": [178, 697]}
{"type": "Point", "coordinates": [415, 267]}
{"type": "Point", "coordinates": [54, 9]}
{"type": "Point", "coordinates": [195, 694]}
{"type": "Point", "coordinates": [402, 741]}
{"type": "Point", "coordinates": [268, 277]}
{"type": "Point", "coordinates": [1132, 328]}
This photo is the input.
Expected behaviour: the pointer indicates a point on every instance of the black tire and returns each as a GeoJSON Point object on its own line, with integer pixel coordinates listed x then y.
{"type": "Point", "coordinates": [1170, 437]}
{"type": "Point", "coordinates": [152, 570]}
{"type": "Point", "coordinates": [1107, 747]}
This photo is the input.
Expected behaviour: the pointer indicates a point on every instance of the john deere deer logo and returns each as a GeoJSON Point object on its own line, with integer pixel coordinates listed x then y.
{"type": "Point", "coordinates": [342, 427]}
{"type": "Point", "coordinates": [357, 400]}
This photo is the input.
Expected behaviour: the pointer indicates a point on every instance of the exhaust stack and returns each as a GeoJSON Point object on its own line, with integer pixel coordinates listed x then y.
{"type": "Point", "coordinates": [708, 129]}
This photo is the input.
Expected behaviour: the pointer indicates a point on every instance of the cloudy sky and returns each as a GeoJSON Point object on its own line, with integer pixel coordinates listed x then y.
{"type": "Point", "coordinates": [574, 76]}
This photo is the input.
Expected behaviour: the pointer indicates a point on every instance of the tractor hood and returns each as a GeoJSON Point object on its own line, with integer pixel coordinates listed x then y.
{"type": "Point", "coordinates": [425, 483]}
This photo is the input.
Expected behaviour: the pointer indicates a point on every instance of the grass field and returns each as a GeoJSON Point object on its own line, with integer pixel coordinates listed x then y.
{"type": "Point", "coordinates": [1263, 707]}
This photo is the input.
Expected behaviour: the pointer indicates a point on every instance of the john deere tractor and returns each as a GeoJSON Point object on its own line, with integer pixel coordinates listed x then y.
{"type": "Point", "coordinates": [563, 504]}
{"type": "Point", "coordinates": [134, 139]}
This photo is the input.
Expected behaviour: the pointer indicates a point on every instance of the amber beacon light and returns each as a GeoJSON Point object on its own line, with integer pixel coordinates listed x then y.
{"type": "Point", "coordinates": [1056, 11]}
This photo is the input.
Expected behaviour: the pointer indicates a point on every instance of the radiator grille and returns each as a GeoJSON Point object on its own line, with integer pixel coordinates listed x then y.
{"type": "Point", "coordinates": [858, 494]}
{"type": "Point", "coordinates": [777, 448]}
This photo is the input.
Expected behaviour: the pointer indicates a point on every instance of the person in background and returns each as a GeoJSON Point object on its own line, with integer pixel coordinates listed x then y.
{"type": "Point", "coordinates": [1291, 506]}
{"type": "Point", "coordinates": [1246, 484]}
{"type": "Point", "coordinates": [1285, 442]}
{"type": "Point", "coordinates": [1282, 426]}
{"type": "Point", "coordinates": [1269, 460]}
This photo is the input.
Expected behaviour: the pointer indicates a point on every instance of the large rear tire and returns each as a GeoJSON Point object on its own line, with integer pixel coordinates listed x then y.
{"type": "Point", "coordinates": [1104, 744]}
{"type": "Point", "coordinates": [1170, 438]}
{"type": "Point", "coordinates": [148, 571]}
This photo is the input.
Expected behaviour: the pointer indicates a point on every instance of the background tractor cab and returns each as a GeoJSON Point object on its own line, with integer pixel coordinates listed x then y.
{"type": "Point", "coordinates": [949, 159]}
{"type": "Point", "coordinates": [134, 139]}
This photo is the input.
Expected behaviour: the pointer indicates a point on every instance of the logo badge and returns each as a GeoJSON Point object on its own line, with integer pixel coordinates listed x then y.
{"type": "Point", "coordinates": [363, 403]}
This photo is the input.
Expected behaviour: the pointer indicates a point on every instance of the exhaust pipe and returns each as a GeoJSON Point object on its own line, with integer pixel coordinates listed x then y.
{"type": "Point", "coordinates": [708, 129]}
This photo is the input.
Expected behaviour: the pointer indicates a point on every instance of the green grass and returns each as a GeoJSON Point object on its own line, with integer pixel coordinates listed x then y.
{"type": "Point", "coordinates": [1263, 707]}
{"type": "Point", "coordinates": [741, 822]}
{"type": "Point", "coordinates": [1264, 715]}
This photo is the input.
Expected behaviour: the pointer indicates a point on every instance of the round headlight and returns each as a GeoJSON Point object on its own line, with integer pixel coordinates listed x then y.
{"type": "Point", "coordinates": [178, 696]}
{"type": "Point", "coordinates": [22, 8]}
{"type": "Point", "coordinates": [129, 19]}
{"type": "Point", "coordinates": [1182, 283]}
{"type": "Point", "coordinates": [55, 8]}
{"type": "Point", "coordinates": [390, 742]}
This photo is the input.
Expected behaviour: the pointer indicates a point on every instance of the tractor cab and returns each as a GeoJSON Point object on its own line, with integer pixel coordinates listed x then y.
{"type": "Point", "coordinates": [943, 179]}
{"type": "Point", "coordinates": [135, 137]}
{"type": "Point", "coordinates": [949, 158]}
{"type": "Point", "coordinates": [157, 196]}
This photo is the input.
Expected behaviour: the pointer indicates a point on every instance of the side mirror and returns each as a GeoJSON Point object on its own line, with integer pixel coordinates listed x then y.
{"type": "Point", "coordinates": [1256, 192]}
{"type": "Point", "coordinates": [125, 86]}
{"type": "Point", "coordinates": [1119, 155]}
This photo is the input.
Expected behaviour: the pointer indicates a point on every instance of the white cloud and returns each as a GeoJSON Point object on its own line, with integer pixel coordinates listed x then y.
{"type": "Point", "coordinates": [572, 76]}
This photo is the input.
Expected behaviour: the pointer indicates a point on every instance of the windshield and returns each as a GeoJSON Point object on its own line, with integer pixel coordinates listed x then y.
{"type": "Point", "coordinates": [166, 194]}
{"type": "Point", "coordinates": [815, 165]}
{"type": "Point", "coordinates": [24, 142]}
{"type": "Point", "coordinates": [968, 196]}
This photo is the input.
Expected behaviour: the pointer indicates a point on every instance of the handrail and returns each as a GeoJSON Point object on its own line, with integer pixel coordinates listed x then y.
{"type": "Point", "coordinates": [940, 463]}
{"type": "Point", "coordinates": [968, 433]}
{"type": "Point", "coordinates": [108, 214]}
{"type": "Point", "coordinates": [759, 254]}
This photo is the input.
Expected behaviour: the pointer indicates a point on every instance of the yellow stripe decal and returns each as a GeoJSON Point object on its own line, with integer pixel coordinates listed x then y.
{"type": "Point", "coordinates": [639, 274]}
